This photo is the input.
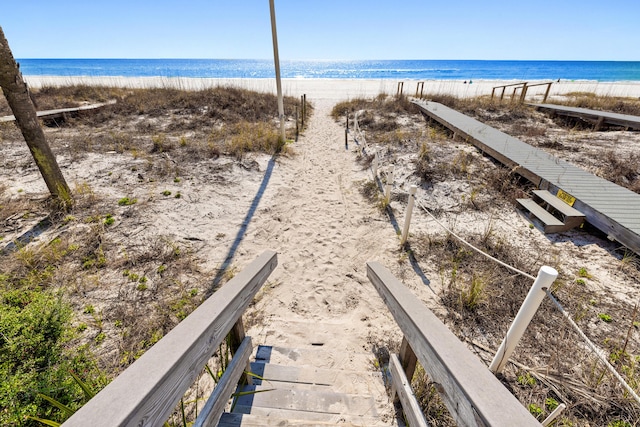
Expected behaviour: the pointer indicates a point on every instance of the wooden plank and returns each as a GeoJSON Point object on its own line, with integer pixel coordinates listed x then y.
{"type": "Point", "coordinates": [557, 204]}
{"type": "Point", "coordinates": [61, 111]}
{"type": "Point", "coordinates": [214, 407]}
{"type": "Point", "coordinates": [402, 387]}
{"type": "Point", "coordinates": [550, 223]}
{"type": "Point", "coordinates": [472, 394]}
{"type": "Point", "coordinates": [344, 381]}
{"type": "Point", "coordinates": [606, 206]}
{"type": "Point", "coordinates": [323, 402]}
{"type": "Point", "coordinates": [594, 116]}
{"type": "Point", "coordinates": [261, 417]}
{"type": "Point", "coordinates": [146, 392]}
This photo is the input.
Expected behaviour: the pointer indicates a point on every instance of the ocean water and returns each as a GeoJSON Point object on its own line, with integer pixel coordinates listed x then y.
{"type": "Point", "coordinates": [602, 71]}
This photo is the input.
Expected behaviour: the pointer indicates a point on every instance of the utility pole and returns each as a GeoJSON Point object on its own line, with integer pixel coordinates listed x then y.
{"type": "Point", "coordinates": [17, 94]}
{"type": "Point", "coordinates": [276, 60]}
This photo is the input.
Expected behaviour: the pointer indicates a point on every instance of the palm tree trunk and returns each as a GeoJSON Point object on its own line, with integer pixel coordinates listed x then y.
{"type": "Point", "coordinates": [17, 94]}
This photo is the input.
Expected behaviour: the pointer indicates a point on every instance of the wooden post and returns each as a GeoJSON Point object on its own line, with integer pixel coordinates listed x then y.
{"type": "Point", "coordinates": [17, 94]}
{"type": "Point", "coordinates": [407, 217]}
{"type": "Point", "coordinates": [524, 93]}
{"type": "Point", "coordinates": [534, 298]}
{"type": "Point", "coordinates": [346, 140]}
{"type": "Point", "coordinates": [347, 117]}
{"type": "Point", "coordinates": [400, 89]}
{"type": "Point", "coordinates": [276, 60]}
{"type": "Point", "coordinates": [504, 88]}
{"type": "Point", "coordinates": [546, 93]}
{"type": "Point", "coordinates": [419, 87]}
{"type": "Point", "coordinates": [408, 358]}
{"type": "Point", "coordinates": [302, 108]}
{"type": "Point", "coordinates": [493, 90]}
{"type": "Point", "coordinates": [375, 165]}
{"type": "Point", "coordinates": [387, 194]}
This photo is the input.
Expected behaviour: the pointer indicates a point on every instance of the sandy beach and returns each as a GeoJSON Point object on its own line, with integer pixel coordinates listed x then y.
{"type": "Point", "coordinates": [309, 207]}
{"type": "Point", "coordinates": [340, 89]}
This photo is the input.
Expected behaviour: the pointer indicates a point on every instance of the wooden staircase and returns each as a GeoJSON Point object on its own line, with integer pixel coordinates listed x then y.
{"type": "Point", "coordinates": [553, 214]}
{"type": "Point", "coordinates": [311, 385]}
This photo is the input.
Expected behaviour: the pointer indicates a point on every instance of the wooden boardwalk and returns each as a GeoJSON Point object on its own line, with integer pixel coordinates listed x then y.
{"type": "Point", "coordinates": [598, 118]}
{"type": "Point", "coordinates": [61, 112]}
{"type": "Point", "coordinates": [612, 209]}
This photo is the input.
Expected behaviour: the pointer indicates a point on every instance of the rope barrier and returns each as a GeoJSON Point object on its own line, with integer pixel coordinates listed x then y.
{"type": "Point", "coordinates": [600, 354]}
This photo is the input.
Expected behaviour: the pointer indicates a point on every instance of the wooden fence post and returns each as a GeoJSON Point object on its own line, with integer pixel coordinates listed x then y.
{"type": "Point", "coordinates": [400, 89]}
{"type": "Point", "coordinates": [387, 194]}
{"type": "Point", "coordinates": [407, 217]}
{"type": "Point", "coordinates": [374, 165]}
{"type": "Point", "coordinates": [536, 294]}
{"type": "Point", "coordinates": [546, 93]}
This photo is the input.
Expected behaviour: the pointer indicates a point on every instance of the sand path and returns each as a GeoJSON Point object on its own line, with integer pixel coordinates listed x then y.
{"type": "Point", "coordinates": [324, 231]}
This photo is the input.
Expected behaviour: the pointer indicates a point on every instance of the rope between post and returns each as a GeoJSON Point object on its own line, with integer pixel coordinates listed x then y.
{"type": "Point", "coordinates": [515, 270]}
{"type": "Point", "coordinates": [600, 354]}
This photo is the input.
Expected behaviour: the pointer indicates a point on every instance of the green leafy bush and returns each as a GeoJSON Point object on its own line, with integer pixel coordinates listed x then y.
{"type": "Point", "coordinates": [34, 358]}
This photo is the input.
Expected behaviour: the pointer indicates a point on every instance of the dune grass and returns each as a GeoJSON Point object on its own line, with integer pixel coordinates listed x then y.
{"type": "Point", "coordinates": [481, 298]}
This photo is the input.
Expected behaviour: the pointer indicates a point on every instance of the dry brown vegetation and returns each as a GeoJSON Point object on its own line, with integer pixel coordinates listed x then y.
{"type": "Point", "coordinates": [479, 299]}
{"type": "Point", "coordinates": [126, 281]}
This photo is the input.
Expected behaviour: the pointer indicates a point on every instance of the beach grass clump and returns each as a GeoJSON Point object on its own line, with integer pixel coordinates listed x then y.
{"type": "Point", "coordinates": [237, 139]}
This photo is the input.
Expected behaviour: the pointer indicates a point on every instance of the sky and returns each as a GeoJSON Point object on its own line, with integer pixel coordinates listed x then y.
{"type": "Point", "coordinates": [325, 29]}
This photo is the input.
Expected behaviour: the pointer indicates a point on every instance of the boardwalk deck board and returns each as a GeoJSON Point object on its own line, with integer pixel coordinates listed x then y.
{"type": "Point", "coordinates": [594, 116]}
{"type": "Point", "coordinates": [60, 112]}
{"type": "Point", "coordinates": [609, 207]}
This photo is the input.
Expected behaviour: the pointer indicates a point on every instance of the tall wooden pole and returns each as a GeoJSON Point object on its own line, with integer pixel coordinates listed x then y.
{"type": "Point", "coordinates": [17, 95]}
{"type": "Point", "coordinates": [276, 60]}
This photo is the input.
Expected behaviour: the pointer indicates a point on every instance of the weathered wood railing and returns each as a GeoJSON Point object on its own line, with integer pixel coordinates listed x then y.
{"type": "Point", "coordinates": [146, 393]}
{"type": "Point", "coordinates": [473, 395]}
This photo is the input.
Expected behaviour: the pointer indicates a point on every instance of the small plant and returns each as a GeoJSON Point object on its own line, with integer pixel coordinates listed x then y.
{"type": "Point", "coordinates": [100, 338]}
{"type": "Point", "coordinates": [178, 195]}
{"type": "Point", "coordinates": [176, 179]}
{"type": "Point", "coordinates": [526, 379]}
{"type": "Point", "coordinates": [81, 327]}
{"type": "Point", "coordinates": [605, 317]}
{"type": "Point", "coordinates": [142, 287]}
{"type": "Point", "coordinates": [581, 282]}
{"type": "Point", "coordinates": [535, 410]}
{"type": "Point", "coordinates": [193, 292]}
{"type": "Point", "coordinates": [551, 403]}
{"type": "Point", "coordinates": [473, 296]}
{"type": "Point", "coordinates": [126, 201]}
{"type": "Point", "coordinates": [161, 269]}
{"type": "Point", "coordinates": [109, 220]}
{"type": "Point", "coordinates": [584, 273]}
{"type": "Point", "coordinates": [89, 309]}
{"type": "Point", "coordinates": [619, 423]}
{"type": "Point", "coordinates": [166, 193]}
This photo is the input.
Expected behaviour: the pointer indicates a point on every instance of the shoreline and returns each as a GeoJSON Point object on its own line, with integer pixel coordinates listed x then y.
{"type": "Point", "coordinates": [344, 89]}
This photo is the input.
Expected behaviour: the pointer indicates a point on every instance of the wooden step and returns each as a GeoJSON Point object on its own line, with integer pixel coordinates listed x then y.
{"type": "Point", "coordinates": [325, 402]}
{"type": "Point", "coordinates": [343, 381]}
{"type": "Point", "coordinates": [283, 418]}
{"type": "Point", "coordinates": [549, 223]}
{"type": "Point", "coordinates": [570, 216]}
{"type": "Point", "coordinates": [316, 356]}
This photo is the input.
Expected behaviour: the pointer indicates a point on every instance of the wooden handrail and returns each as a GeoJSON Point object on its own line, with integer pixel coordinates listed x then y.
{"type": "Point", "coordinates": [472, 394]}
{"type": "Point", "coordinates": [148, 390]}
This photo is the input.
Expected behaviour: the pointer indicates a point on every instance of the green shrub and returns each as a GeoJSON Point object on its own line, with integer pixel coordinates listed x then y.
{"type": "Point", "coordinates": [35, 357]}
